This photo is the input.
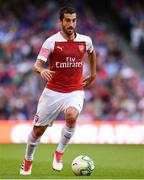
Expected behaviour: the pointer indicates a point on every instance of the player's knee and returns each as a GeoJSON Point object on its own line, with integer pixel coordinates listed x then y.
{"type": "Point", "coordinates": [71, 117]}
{"type": "Point", "coordinates": [38, 131]}
{"type": "Point", "coordinates": [71, 122]}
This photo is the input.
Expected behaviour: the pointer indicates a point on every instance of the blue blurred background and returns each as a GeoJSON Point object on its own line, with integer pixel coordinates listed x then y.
{"type": "Point", "coordinates": [117, 30]}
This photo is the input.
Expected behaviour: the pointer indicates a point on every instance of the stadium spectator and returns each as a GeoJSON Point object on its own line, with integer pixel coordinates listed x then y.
{"type": "Point", "coordinates": [131, 14]}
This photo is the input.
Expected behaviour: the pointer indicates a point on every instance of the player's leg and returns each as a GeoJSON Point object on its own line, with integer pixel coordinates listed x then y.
{"type": "Point", "coordinates": [68, 129]}
{"type": "Point", "coordinates": [33, 140]}
{"type": "Point", "coordinates": [32, 143]}
{"type": "Point", "coordinates": [71, 114]}
{"type": "Point", "coordinates": [47, 110]}
{"type": "Point", "coordinates": [72, 108]}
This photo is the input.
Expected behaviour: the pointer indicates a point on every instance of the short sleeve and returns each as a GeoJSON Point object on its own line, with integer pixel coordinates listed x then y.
{"type": "Point", "coordinates": [89, 45]}
{"type": "Point", "coordinates": [45, 50]}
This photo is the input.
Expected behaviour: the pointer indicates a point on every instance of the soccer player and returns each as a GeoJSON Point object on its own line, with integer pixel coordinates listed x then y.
{"type": "Point", "coordinates": [64, 91]}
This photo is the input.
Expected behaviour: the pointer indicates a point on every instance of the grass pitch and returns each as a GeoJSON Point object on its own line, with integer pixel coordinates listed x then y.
{"type": "Point", "coordinates": [111, 161]}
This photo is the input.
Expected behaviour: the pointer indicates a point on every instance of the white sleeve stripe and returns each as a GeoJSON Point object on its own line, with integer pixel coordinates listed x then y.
{"type": "Point", "coordinates": [42, 58]}
{"type": "Point", "coordinates": [44, 52]}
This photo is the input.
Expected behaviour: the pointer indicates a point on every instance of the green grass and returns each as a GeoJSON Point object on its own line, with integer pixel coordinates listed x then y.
{"type": "Point", "coordinates": [111, 161]}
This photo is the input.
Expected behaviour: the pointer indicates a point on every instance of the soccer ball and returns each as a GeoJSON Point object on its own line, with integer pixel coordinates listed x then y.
{"type": "Point", "coordinates": [82, 166]}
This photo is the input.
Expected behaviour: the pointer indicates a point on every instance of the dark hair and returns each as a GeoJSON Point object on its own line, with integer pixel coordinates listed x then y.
{"type": "Point", "coordinates": [66, 10]}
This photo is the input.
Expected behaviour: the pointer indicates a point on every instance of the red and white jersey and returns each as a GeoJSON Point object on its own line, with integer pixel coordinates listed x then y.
{"type": "Point", "coordinates": [66, 58]}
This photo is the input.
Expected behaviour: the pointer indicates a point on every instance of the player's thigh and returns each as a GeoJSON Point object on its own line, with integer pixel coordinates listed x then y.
{"type": "Point", "coordinates": [47, 110]}
{"type": "Point", "coordinates": [74, 102]}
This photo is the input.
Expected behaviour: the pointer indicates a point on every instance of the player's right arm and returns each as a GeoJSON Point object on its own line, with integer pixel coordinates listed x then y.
{"type": "Point", "coordinates": [45, 73]}
{"type": "Point", "coordinates": [41, 60]}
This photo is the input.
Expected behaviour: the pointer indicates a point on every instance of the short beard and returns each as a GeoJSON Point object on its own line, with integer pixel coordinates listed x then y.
{"type": "Point", "coordinates": [68, 33]}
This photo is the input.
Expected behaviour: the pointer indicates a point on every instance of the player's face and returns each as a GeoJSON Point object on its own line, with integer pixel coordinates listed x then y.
{"type": "Point", "coordinates": [69, 23]}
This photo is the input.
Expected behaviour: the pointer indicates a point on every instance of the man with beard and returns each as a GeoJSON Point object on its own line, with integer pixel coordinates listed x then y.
{"type": "Point", "coordinates": [64, 91]}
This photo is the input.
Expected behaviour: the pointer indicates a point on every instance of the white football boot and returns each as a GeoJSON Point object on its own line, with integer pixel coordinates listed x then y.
{"type": "Point", "coordinates": [26, 168]}
{"type": "Point", "coordinates": [57, 161]}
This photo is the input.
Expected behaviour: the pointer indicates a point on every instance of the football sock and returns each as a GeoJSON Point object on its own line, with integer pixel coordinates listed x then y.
{"type": "Point", "coordinates": [31, 146]}
{"type": "Point", "coordinates": [66, 135]}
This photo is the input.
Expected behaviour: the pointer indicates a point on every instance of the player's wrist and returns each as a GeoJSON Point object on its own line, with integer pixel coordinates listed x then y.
{"type": "Point", "coordinates": [93, 75]}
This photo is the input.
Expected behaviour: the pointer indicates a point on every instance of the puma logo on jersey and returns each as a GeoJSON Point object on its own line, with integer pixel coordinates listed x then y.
{"type": "Point", "coordinates": [60, 47]}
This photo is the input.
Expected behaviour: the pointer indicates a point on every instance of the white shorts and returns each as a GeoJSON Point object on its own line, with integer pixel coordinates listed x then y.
{"type": "Point", "coordinates": [52, 103]}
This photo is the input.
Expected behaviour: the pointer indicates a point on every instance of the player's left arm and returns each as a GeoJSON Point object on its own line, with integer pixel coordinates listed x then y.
{"type": "Point", "coordinates": [90, 79]}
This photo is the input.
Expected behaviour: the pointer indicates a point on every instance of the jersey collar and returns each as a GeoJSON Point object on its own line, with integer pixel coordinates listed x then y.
{"type": "Point", "coordinates": [69, 40]}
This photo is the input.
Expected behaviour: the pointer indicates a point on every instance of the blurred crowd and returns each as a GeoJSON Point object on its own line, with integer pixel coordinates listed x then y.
{"type": "Point", "coordinates": [118, 92]}
{"type": "Point", "coordinates": [131, 14]}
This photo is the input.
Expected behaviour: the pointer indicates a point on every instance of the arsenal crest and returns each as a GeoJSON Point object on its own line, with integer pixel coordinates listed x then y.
{"type": "Point", "coordinates": [81, 48]}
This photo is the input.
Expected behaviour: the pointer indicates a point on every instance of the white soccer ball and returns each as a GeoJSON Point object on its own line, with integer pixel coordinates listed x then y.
{"type": "Point", "coordinates": [82, 166]}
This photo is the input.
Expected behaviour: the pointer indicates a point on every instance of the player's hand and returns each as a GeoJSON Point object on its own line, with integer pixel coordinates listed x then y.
{"type": "Point", "coordinates": [47, 74]}
{"type": "Point", "coordinates": [89, 80]}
